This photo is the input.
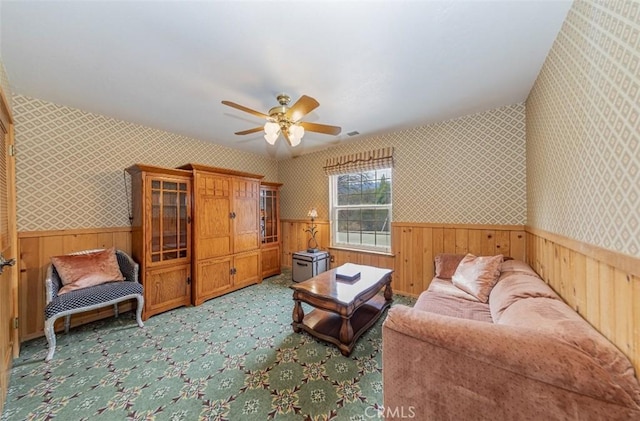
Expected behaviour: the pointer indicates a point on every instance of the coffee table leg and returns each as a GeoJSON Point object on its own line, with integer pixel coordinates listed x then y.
{"type": "Point", "coordinates": [346, 332]}
{"type": "Point", "coordinates": [388, 293]}
{"type": "Point", "coordinates": [298, 315]}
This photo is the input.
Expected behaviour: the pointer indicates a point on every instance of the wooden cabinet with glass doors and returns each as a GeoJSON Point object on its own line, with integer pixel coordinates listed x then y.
{"type": "Point", "coordinates": [270, 228]}
{"type": "Point", "coordinates": [161, 235]}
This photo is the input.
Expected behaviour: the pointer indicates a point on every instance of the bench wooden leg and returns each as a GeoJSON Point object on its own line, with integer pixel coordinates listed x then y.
{"type": "Point", "coordinates": [50, 333]}
{"type": "Point", "coordinates": [139, 310]}
{"type": "Point", "coordinates": [67, 323]}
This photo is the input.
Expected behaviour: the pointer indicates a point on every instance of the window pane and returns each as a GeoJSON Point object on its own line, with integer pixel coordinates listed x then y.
{"type": "Point", "coordinates": [361, 208]}
{"type": "Point", "coordinates": [168, 185]}
{"type": "Point", "coordinates": [369, 199]}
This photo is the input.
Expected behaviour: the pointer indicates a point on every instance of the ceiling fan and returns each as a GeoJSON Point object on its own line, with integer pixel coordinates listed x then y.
{"type": "Point", "coordinates": [286, 120]}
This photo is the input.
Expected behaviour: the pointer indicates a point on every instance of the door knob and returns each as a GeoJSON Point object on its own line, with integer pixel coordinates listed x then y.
{"type": "Point", "coordinates": [4, 262]}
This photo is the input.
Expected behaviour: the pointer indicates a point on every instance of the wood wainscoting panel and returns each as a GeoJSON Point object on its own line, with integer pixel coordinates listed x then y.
{"type": "Point", "coordinates": [416, 244]}
{"type": "Point", "coordinates": [413, 249]}
{"type": "Point", "coordinates": [36, 249]}
{"type": "Point", "coordinates": [601, 285]}
{"type": "Point", "coordinates": [294, 237]}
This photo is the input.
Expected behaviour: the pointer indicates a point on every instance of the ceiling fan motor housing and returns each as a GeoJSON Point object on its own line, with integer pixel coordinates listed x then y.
{"type": "Point", "coordinates": [277, 113]}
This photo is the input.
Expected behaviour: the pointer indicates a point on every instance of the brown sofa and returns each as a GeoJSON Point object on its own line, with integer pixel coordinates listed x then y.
{"type": "Point", "coordinates": [524, 355]}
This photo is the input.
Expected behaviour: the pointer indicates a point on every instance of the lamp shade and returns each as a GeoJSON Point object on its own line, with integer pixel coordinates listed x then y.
{"type": "Point", "coordinates": [295, 134]}
{"type": "Point", "coordinates": [271, 132]}
{"type": "Point", "coordinates": [271, 127]}
{"type": "Point", "coordinates": [271, 138]}
{"type": "Point", "coordinates": [313, 213]}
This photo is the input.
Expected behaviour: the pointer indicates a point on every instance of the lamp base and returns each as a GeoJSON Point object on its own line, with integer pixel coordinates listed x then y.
{"type": "Point", "coordinates": [313, 250]}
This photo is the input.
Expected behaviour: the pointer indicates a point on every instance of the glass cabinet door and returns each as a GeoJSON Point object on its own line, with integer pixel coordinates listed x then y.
{"type": "Point", "coordinates": [169, 220]}
{"type": "Point", "coordinates": [269, 215]}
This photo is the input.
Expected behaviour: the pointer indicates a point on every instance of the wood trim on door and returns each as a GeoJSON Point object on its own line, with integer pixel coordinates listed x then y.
{"type": "Point", "coordinates": [9, 338]}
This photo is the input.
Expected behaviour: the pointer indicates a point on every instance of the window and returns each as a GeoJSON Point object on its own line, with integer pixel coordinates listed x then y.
{"type": "Point", "coordinates": [361, 210]}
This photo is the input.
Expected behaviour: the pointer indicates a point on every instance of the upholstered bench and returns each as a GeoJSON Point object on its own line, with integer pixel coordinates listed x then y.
{"type": "Point", "coordinates": [81, 299]}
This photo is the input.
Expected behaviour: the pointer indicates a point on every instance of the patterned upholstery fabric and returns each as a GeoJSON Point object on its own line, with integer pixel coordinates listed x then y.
{"type": "Point", "coordinates": [90, 296]}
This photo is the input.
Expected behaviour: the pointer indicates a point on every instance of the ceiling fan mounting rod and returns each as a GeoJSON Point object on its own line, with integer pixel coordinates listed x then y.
{"type": "Point", "coordinates": [283, 99]}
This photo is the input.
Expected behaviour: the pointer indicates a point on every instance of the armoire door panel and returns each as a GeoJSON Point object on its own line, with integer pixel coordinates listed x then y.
{"type": "Point", "coordinates": [270, 261]}
{"type": "Point", "coordinates": [214, 278]}
{"type": "Point", "coordinates": [246, 196]}
{"type": "Point", "coordinates": [166, 288]}
{"type": "Point", "coordinates": [213, 217]}
{"type": "Point", "coordinates": [247, 269]}
{"type": "Point", "coordinates": [213, 227]}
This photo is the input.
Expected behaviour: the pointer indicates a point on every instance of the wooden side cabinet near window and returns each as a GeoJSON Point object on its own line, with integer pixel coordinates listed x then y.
{"type": "Point", "coordinates": [161, 235]}
{"type": "Point", "coordinates": [270, 228]}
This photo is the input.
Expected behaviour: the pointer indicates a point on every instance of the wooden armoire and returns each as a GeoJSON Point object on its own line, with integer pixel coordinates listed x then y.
{"type": "Point", "coordinates": [226, 231]}
{"type": "Point", "coordinates": [161, 235]}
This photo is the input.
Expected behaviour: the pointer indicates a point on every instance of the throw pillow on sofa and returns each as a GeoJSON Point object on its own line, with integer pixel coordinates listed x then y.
{"type": "Point", "coordinates": [477, 275]}
{"type": "Point", "coordinates": [446, 264]}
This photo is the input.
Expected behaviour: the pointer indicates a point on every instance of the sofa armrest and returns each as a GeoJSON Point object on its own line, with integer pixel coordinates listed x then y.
{"type": "Point", "coordinates": [52, 284]}
{"type": "Point", "coordinates": [521, 351]}
{"type": "Point", "coordinates": [128, 266]}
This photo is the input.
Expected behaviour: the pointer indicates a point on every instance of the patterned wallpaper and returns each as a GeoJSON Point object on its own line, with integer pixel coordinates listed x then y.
{"type": "Point", "coordinates": [583, 125]}
{"type": "Point", "coordinates": [69, 164]}
{"type": "Point", "coordinates": [468, 170]}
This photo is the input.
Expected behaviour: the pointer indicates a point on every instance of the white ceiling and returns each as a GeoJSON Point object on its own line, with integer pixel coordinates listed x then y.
{"type": "Point", "coordinates": [374, 67]}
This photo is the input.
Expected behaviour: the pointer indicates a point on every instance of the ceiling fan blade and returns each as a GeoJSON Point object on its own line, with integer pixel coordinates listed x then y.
{"type": "Point", "coordinates": [254, 130]}
{"type": "Point", "coordinates": [245, 109]}
{"type": "Point", "coordinates": [321, 128]}
{"type": "Point", "coordinates": [302, 107]}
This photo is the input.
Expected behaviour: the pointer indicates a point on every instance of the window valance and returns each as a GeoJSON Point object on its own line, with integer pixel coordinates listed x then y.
{"type": "Point", "coordinates": [361, 161]}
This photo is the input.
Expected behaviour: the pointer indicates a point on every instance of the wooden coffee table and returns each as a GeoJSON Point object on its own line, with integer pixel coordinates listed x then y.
{"type": "Point", "coordinates": [344, 310]}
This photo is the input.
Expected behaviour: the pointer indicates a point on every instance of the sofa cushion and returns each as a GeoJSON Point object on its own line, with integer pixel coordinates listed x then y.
{"type": "Point", "coordinates": [87, 297]}
{"type": "Point", "coordinates": [477, 275]}
{"type": "Point", "coordinates": [517, 285]}
{"type": "Point", "coordinates": [444, 298]}
{"type": "Point", "coordinates": [555, 318]}
{"type": "Point", "coordinates": [446, 264]}
{"type": "Point", "coordinates": [85, 270]}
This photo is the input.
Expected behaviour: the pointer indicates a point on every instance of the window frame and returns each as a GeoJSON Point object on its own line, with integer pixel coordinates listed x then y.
{"type": "Point", "coordinates": [334, 208]}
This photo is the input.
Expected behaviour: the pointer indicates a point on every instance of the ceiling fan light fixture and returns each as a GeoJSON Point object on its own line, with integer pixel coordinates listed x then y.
{"type": "Point", "coordinates": [271, 127]}
{"type": "Point", "coordinates": [298, 130]}
{"type": "Point", "coordinates": [271, 138]}
{"type": "Point", "coordinates": [271, 132]}
{"type": "Point", "coordinates": [295, 134]}
{"type": "Point", "coordinates": [286, 120]}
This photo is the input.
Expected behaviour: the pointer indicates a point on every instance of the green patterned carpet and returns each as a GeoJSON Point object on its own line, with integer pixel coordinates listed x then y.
{"type": "Point", "coordinates": [233, 358]}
